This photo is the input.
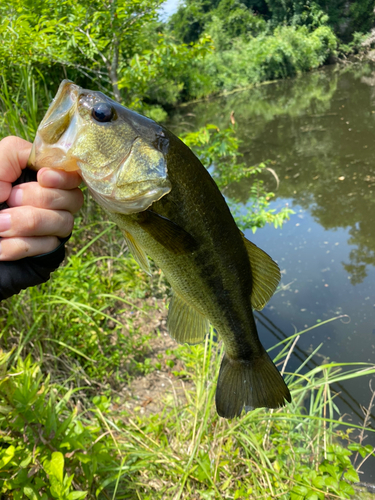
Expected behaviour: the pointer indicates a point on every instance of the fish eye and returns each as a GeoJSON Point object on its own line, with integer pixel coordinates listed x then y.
{"type": "Point", "coordinates": [102, 112]}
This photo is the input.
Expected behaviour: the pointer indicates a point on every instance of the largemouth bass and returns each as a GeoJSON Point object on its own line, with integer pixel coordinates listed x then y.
{"type": "Point", "coordinates": [169, 208]}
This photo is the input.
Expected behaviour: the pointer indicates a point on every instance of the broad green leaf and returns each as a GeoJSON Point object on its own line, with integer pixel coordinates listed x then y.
{"type": "Point", "coordinates": [6, 456]}
{"type": "Point", "coordinates": [312, 495]}
{"type": "Point", "coordinates": [85, 459]}
{"type": "Point", "coordinates": [318, 482]}
{"type": "Point", "coordinates": [346, 488]}
{"type": "Point", "coordinates": [55, 466]}
{"type": "Point", "coordinates": [295, 496]}
{"type": "Point", "coordinates": [30, 493]}
{"type": "Point", "coordinates": [76, 495]}
{"type": "Point", "coordinates": [300, 490]}
{"type": "Point", "coordinates": [331, 482]}
{"type": "Point", "coordinates": [351, 475]}
{"type": "Point", "coordinates": [25, 462]}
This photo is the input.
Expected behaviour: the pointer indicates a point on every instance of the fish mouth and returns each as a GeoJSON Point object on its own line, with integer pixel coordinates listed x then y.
{"type": "Point", "coordinates": [57, 131]}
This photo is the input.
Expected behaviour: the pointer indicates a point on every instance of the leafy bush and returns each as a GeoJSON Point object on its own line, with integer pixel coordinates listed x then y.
{"type": "Point", "coordinates": [249, 17]}
{"type": "Point", "coordinates": [47, 448]}
{"type": "Point", "coordinates": [288, 51]}
{"type": "Point", "coordinates": [117, 44]}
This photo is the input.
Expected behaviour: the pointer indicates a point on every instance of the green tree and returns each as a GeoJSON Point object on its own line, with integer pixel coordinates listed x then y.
{"type": "Point", "coordinates": [188, 23]}
{"type": "Point", "coordinates": [344, 17]}
{"type": "Point", "coordinates": [196, 17]}
{"type": "Point", "coordinates": [362, 15]}
{"type": "Point", "coordinates": [89, 34]}
{"type": "Point", "coordinates": [94, 40]}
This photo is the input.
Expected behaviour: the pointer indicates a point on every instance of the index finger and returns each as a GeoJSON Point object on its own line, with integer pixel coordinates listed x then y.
{"type": "Point", "coordinates": [58, 179]}
{"type": "Point", "coordinates": [14, 153]}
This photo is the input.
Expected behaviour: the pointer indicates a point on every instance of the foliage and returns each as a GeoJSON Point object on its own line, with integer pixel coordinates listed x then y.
{"type": "Point", "coordinates": [22, 104]}
{"type": "Point", "coordinates": [122, 48]}
{"type": "Point", "coordinates": [345, 18]}
{"type": "Point", "coordinates": [362, 16]}
{"type": "Point", "coordinates": [44, 446]}
{"type": "Point", "coordinates": [105, 42]}
{"type": "Point", "coordinates": [53, 449]}
{"type": "Point", "coordinates": [270, 39]}
{"type": "Point", "coordinates": [287, 52]}
{"type": "Point", "coordinates": [196, 17]}
{"type": "Point", "coordinates": [164, 74]}
{"type": "Point", "coordinates": [218, 151]}
{"type": "Point", "coordinates": [250, 17]}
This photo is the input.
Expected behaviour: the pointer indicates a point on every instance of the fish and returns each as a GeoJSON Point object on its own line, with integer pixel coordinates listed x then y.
{"type": "Point", "coordinates": [169, 209]}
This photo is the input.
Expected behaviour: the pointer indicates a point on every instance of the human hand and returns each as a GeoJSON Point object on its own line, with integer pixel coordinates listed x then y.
{"type": "Point", "coordinates": [40, 212]}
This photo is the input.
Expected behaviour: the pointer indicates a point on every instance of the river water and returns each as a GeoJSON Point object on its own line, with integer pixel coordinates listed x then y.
{"type": "Point", "coordinates": [318, 130]}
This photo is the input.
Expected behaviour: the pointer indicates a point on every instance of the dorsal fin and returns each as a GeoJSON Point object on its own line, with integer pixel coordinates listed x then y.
{"type": "Point", "coordinates": [185, 324]}
{"type": "Point", "coordinates": [265, 273]}
{"type": "Point", "coordinates": [137, 252]}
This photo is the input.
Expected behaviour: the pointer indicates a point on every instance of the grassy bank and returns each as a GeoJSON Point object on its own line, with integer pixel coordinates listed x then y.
{"type": "Point", "coordinates": [74, 425]}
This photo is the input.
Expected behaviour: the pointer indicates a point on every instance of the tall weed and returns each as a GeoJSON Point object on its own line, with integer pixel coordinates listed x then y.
{"type": "Point", "coordinates": [23, 103]}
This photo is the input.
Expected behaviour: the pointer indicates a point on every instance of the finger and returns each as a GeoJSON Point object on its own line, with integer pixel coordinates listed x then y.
{"type": "Point", "coordinates": [31, 221]}
{"type": "Point", "coordinates": [58, 179]}
{"type": "Point", "coordinates": [5, 190]}
{"type": "Point", "coordinates": [14, 153]}
{"type": "Point", "coordinates": [33, 194]}
{"type": "Point", "coordinates": [18, 248]}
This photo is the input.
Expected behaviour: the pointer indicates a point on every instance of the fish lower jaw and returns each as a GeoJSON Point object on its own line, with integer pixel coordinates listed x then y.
{"type": "Point", "coordinates": [129, 205]}
{"type": "Point", "coordinates": [52, 157]}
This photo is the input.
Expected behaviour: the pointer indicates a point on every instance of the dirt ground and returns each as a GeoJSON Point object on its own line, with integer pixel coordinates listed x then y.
{"type": "Point", "coordinates": [147, 394]}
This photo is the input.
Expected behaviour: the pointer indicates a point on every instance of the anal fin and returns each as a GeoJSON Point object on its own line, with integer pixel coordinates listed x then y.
{"type": "Point", "coordinates": [185, 324]}
{"type": "Point", "coordinates": [265, 273]}
{"type": "Point", "coordinates": [137, 252]}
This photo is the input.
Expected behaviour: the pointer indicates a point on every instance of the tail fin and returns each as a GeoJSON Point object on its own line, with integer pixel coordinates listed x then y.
{"type": "Point", "coordinates": [253, 384]}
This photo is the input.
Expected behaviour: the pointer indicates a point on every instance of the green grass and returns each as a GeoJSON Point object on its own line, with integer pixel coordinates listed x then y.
{"type": "Point", "coordinates": [71, 345]}
{"type": "Point", "coordinates": [23, 103]}
{"type": "Point", "coordinates": [186, 451]}
{"type": "Point", "coordinates": [74, 319]}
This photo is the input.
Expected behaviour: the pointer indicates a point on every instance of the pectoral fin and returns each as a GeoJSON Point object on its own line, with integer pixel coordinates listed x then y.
{"type": "Point", "coordinates": [185, 324]}
{"type": "Point", "coordinates": [265, 273]}
{"type": "Point", "coordinates": [173, 237]}
{"type": "Point", "coordinates": [137, 252]}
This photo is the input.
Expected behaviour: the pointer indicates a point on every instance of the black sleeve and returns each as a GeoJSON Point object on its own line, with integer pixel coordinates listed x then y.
{"type": "Point", "coordinates": [30, 271]}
